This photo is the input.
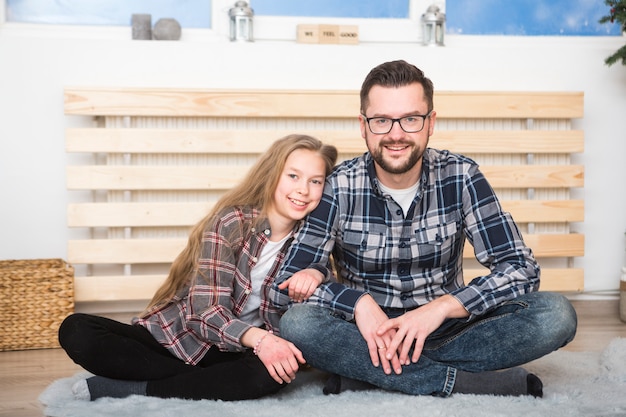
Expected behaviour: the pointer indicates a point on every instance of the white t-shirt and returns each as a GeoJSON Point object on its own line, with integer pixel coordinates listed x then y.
{"type": "Point", "coordinates": [250, 313]}
{"type": "Point", "coordinates": [403, 197]}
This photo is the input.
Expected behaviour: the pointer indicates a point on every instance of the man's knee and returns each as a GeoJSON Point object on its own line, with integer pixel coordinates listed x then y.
{"type": "Point", "coordinates": [299, 322]}
{"type": "Point", "coordinates": [557, 316]}
{"type": "Point", "coordinates": [567, 317]}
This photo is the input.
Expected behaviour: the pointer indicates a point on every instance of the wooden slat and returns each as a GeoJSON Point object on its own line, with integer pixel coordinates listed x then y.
{"type": "Point", "coordinates": [150, 214]}
{"type": "Point", "coordinates": [164, 214]}
{"type": "Point", "coordinates": [534, 176]}
{"type": "Point", "coordinates": [111, 177]}
{"type": "Point", "coordinates": [197, 141]}
{"type": "Point", "coordinates": [545, 211]}
{"type": "Point", "coordinates": [124, 251]}
{"type": "Point", "coordinates": [326, 104]}
{"type": "Point", "coordinates": [142, 287]}
{"type": "Point", "coordinates": [142, 251]}
{"type": "Point", "coordinates": [547, 245]}
{"type": "Point", "coordinates": [506, 105]}
{"type": "Point", "coordinates": [116, 288]}
{"type": "Point", "coordinates": [552, 279]}
{"type": "Point", "coordinates": [222, 177]}
{"type": "Point", "coordinates": [348, 141]}
{"type": "Point", "coordinates": [564, 280]}
{"type": "Point", "coordinates": [179, 102]}
{"type": "Point", "coordinates": [509, 141]}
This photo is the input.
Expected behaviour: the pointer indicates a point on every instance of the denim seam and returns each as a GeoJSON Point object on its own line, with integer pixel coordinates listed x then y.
{"type": "Point", "coordinates": [449, 382]}
{"type": "Point", "coordinates": [524, 305]}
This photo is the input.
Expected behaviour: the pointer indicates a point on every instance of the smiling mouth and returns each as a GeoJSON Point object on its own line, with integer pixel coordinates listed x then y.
{"type": "Point", "coordinates": [396, 147]}
{"type": "Point", "coordinates": [298, 202]}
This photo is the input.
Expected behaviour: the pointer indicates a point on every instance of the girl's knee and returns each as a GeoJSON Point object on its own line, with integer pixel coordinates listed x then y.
{"type": "Point", "coordinates": [71, 330]}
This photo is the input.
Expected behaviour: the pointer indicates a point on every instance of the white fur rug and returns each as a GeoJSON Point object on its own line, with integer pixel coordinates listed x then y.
{"type": "Point", "coordinates": [575, 384]}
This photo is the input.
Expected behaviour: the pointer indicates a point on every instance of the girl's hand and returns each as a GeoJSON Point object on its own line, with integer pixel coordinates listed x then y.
{"type": "Point", "coordinates": [302, 284]}
{"type": "Point", "coordinates": [281, 358]}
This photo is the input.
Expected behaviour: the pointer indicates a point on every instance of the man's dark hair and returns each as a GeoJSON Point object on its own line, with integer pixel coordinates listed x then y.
{"type": "Point", "coordinates": [395, 74]}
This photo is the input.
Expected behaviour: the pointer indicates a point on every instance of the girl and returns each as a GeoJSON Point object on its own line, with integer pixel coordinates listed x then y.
{"type": "Point", "coordinates": [210, 331]}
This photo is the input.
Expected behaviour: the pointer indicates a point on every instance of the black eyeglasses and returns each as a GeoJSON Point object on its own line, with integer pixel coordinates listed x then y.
{"type": "Point", "coordinates": [383, 125]}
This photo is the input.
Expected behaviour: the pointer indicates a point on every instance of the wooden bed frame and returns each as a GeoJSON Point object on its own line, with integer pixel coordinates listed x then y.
{"type": "Point", "coordinates": [155, 160]}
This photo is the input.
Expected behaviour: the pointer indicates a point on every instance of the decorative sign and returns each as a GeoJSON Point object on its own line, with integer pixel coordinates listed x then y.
{"type": "Point", "coordinates": [328, 34]}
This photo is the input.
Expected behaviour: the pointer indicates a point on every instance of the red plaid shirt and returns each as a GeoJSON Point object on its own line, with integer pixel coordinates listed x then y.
{"type": "Point", "coordinates": [206, 311]}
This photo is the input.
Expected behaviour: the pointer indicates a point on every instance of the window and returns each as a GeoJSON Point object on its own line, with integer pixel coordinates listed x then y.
{"type": "Point", "coordinates": [378, 21]}
{"type": "Point", "coordinates": [389, 21]}
{"type": "Point", "coordinates": [390, 9]}
{"type": "Point", "coordinates": [189, 13]}
{"type": "Point", "coordinates": [529, 17]}
{"type": "Point", "coordinates": [392, 20]}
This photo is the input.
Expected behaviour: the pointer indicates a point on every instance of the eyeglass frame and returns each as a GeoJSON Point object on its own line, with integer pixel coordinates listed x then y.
{"type": "Point", "coordinates": [399, 120]}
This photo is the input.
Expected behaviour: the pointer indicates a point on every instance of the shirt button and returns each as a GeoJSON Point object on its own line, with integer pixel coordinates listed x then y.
{"type": "Point", "coordinates": [254, 259]}
{"type": "Point", "coordinates": [399, 212]}
{"type": "Point", "coordinates": [267, 232]}
{"type": "Point", "coordinates": [403, 244]}
{"type": "Point", "coordinates": [248, 291]}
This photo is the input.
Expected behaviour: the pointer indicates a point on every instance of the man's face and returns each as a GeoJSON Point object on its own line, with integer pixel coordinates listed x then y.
{"type": "Point", "coordinates": [397, 152]}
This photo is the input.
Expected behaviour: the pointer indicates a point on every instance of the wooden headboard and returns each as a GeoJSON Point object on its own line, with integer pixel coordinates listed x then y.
{"type": "Point", "coordinates": [155, 161]}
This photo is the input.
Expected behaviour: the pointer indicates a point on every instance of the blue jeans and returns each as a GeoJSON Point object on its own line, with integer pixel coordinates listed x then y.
{"type": "Point", "coordinates": [513, 334]}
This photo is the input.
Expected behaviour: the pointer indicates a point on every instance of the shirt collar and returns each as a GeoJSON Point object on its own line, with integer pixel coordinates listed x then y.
{"type": "Point", "coordinates": [263, 227]}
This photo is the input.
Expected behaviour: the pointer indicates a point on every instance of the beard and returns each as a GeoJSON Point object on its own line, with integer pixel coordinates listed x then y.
{"type": "Point", "coordinates": [389, 166]}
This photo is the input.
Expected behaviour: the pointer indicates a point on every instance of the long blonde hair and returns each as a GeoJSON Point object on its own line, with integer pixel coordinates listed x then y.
{"type": "Point", "coordinates": [256, 190]}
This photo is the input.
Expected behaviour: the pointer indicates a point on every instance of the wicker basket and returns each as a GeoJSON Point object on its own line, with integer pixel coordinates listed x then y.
{"type": "Point", "coordinates": [35, 296]}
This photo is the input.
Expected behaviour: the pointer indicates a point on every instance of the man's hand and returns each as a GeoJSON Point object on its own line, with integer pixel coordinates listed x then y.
{"type": "Point", "coordinates": [369, 317]}
{"type": "Point", "coordinates": [412, 328]}
{"type": "Point", "coordinates": [302, 284]}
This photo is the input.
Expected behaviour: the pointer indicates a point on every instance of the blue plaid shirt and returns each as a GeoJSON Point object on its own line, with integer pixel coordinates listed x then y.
{"type": "Point", "coordinates": [407, 261]}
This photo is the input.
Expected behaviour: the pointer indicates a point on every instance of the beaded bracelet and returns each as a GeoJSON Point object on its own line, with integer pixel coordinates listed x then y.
{"type": "Point", "coordinates": [256, 349]}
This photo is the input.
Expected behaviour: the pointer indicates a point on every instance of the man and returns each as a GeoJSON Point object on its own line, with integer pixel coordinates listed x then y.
{"type": "Point", "coordinates": [398, 315]}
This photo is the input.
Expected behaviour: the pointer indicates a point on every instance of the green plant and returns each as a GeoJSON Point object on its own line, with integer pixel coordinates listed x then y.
{"type": "Point", "coordinates": [617, 14]}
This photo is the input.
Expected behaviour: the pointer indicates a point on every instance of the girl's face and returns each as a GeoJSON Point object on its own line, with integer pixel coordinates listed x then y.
{"type": "Point", "coordinates": [300, 186]}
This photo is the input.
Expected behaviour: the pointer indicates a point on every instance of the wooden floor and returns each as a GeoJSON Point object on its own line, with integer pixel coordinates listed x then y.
{"type": "Point", "coordinates": [25, 374]}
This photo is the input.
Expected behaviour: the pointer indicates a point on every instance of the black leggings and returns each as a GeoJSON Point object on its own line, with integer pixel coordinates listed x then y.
{"type": "Point", "coordinates": [116, 350]}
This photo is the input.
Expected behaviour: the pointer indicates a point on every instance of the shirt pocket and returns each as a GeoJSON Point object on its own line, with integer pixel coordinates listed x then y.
{"type": "Point", "coordinates": [366, 247]}
{"type": "Point", "coordinates": [437, 245]}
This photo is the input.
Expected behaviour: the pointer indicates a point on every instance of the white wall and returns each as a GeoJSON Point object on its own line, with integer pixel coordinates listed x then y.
{"type": "Point", "coordinates": [36, 64]}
